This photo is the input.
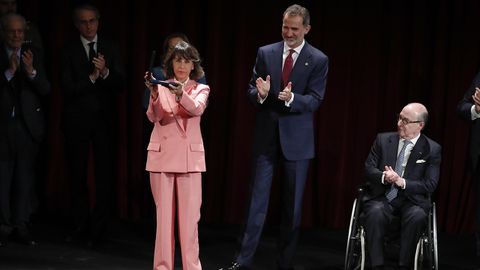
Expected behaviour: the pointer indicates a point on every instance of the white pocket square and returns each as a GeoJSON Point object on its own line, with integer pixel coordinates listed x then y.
{"type": "Point", "coordinates": [420, 161]}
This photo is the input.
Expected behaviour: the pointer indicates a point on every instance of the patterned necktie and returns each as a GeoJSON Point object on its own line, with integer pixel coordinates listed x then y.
{"type": "Point", "coordinates": [393, 191]}
{"type": "Point", "coordinates": [287, 68]}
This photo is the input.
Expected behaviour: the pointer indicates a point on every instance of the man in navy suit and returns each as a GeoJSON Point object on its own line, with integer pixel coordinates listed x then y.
{"type": "Point", "coordinates": [402, 171]}
{"type": "Point", "coordinates": [469, 109]}
{"type": "Point", "coordinates": [287, 87]}
{"type": "Point", "coordinates": [92, 76]}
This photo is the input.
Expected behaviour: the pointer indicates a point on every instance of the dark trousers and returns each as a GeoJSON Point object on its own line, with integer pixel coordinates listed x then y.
{"type": "Point", "coordinates": [95, 136]}
{"type": "Point", "coordinates": [476, 180]}
{"type": "Point", "coordinates": [378, 214]}
{"type": "Point", "coordinates": [293, 184]}
{"type": "Point", "coordinates": [17, 178]}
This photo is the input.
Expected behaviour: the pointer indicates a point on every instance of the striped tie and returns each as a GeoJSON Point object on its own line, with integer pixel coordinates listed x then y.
{"type": "Point", "coordinates": [393, 191]}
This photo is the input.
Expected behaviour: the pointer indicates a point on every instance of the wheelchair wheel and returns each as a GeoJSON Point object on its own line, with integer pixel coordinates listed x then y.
{"type": "Point", "coordinates": [355, 251]}
{"type": "Point", "coordinates": [431, 250]}
{"type": "Point", "coordinates": [434, 237]}
{"type": "Point", "coordinates": [419, 254]}
{"type": "Point", "coordinates": [426, 254]}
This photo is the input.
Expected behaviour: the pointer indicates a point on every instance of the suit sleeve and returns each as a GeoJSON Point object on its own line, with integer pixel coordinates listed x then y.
{"type": "Point", "coordinates": [40, 82]}
{"type": "Point", "coordinates": [259, 70]}
{"type": "Point", "coordinates": [466, 103]}
{"type": "Point", "coordinates": [195, 105]}
{"type": "Point", "coordinates": [313, 96]}
{"type": "Point", "coordinates": [373, 174]}
{"type": "Point", "coordinates": [74, 85]}
{"type": "Point", "coordinates": [154, 110]}
{"type": "Point", "coordinates": [115, 81]}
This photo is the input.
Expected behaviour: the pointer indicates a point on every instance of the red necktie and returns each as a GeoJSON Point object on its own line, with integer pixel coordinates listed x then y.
{"type": "Point", "coordinates": [287, 68]}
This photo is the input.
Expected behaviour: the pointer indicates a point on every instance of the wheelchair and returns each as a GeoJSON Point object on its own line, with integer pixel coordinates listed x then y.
{"type": "Point", "coordinates": [426, 254]}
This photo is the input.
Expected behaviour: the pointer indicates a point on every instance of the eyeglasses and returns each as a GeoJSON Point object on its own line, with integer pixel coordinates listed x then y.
{"type": "Point", "coordinates": [87, 22]}
{"type": "Point", "coordinates": [406, 121]}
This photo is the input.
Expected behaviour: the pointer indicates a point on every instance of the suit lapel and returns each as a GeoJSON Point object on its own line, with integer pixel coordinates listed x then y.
{"type": "Point", "coordinates": [101, 46]}
{"type": "Point", "coordinates": [170, 104]}
{"type": "Point", "coordinates": [417, 151]}
{"type": "Point", "coordinates": [277, 58]}
{"type": "Point", "coordinates": [80, 57]}
{"type": "Point", "coordinates": [15, 84]}
{"type": "Point", "coordinates": [3, 57]}
{"type": "Point", "coordinates": [301, 63]}
{"type": "Point", "coordinates": [392, 149]}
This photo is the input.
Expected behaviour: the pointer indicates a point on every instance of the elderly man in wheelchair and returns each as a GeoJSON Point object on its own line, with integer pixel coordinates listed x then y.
{"type": "Point", "coordinates": [402, 171]}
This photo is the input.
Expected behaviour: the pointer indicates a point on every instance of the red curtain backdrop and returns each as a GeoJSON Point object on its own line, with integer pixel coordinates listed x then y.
{"type": "Point", "coordinates": [383, 54]}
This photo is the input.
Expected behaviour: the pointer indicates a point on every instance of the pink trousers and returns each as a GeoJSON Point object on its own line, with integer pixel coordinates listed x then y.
{"type": "Point", "coordinates": [177, 193]}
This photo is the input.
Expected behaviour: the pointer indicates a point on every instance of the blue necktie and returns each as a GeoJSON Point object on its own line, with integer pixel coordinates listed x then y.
{"type": "Point", "coordinates": [393, 191]}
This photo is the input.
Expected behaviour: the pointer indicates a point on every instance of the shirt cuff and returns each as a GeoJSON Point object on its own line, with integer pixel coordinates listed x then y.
{"type": "Point", "coordinates": [404, 183]}
{"type": "Point", "coordinates": [106, 74]}
{"type": "Point", "coordinates": [33, 75]}
{"type": "Point", "coordinates": [8, 75]}
{"type": "Point", "coordinates": [383, 178]}
{"type": "Point", "coordinates": [474, 113]}
{"type": "Point", "coordinates": [260, 99]}
{"type": "Point", "coordinates": [287, 103]}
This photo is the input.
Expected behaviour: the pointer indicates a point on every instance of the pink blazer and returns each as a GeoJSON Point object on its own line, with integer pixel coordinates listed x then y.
{"type": "Point", "coordinates": [176, 143]}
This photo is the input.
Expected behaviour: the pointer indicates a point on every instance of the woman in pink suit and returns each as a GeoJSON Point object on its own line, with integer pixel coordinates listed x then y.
{"type": "Point", "coordinates": [176, 156]}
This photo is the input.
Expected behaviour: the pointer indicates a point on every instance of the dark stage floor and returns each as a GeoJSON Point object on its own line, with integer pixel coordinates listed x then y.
{"type": "Point", "coordinates": [131, 247]}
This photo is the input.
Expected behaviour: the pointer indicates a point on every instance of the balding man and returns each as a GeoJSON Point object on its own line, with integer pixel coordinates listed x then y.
{"type": "Point", "coordinates": [402, 170]}
{"type": "Point", "coordinates": [22, 127]}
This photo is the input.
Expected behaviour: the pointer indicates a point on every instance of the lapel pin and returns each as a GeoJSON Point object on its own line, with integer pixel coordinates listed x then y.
{"type": "Point", "coordinates": [306, 63]}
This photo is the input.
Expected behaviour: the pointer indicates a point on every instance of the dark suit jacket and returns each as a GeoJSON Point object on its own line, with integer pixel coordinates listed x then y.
{"type": "Point", "coordinates": [82, 98]}
{"type": "Point", "coordinates": [463, 108]}
{"type": "Point", "coordinates": [421, 172]}
{"type": "Point", "coordinates": [295, 123]}
{"type": "Point", "coordinates": [29, 92]}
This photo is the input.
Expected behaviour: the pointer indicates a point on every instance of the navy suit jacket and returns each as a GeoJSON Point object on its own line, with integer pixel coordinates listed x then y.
{"type": "Point", "coordinates": [421, 172]}
{"type": "Point", "coordinates": [294, 124]}
{"type": "Point", "coordinates": [463, 108]}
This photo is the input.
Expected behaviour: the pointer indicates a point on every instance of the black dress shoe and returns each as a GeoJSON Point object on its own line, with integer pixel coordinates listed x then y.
{"type": "Point", "coordinates": [3, 239]}
{"type": "Point", "coordinates": [234, 266]}
{"type": "Point", "coordinates": [76, 236]}
{"type": "Point", "coordinates": [95, 243]}
{"type": "Point", "coordinates": [24, 237]}
{"type": "Point", "coordinates": [4, 235]}
{"type": "Point", "coordinates": [28, 241]}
